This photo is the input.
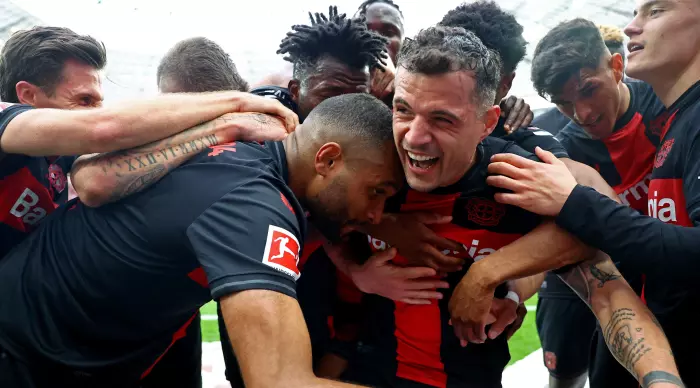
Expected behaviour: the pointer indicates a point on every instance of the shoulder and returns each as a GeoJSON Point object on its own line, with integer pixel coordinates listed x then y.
{"type": "Point", "coordinates": [493, 146]}
{"type": "Point", "coordinates": [645, 100]}
{"type": "Point", "coordinates": [532, 137]}
{"type": "Point", "coordinates": [9, 112]}
{"type": "Point", "coordinates": [278, 93]}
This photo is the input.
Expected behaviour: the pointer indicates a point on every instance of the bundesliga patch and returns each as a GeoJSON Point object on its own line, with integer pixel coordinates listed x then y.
{"type": "Point", "coordinates": [282, 251]}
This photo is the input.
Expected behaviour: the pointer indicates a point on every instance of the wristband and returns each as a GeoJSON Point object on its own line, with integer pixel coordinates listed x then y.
{"type": "Point", "coordinates": [512, 295]}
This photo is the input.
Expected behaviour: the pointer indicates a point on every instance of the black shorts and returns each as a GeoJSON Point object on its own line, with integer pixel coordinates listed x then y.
{"type": "Point", "coordinates": [605, 371]}
{"type": "Point", "coordinates": [181, 366]}
{"type": "Point", "coordinates": [565, 327]}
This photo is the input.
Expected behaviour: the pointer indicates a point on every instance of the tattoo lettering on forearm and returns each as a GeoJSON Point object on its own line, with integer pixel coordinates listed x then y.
{"type": "Point", "coordinates": [602, 276]}
{"type": "Point", "coordinates": [626, 342]}
{"type": "Point", "coordinates": [660, 377]}
{"type": "Point", "coordinates": [137, 162]}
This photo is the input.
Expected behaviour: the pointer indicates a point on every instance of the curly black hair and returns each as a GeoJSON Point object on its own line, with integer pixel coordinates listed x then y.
{"type": "Point", "coordinates": [362, 9]}
{"type": "Point", "coordinates": [496, 28]}
{"type": "Point", "coordinates": [347, 40]}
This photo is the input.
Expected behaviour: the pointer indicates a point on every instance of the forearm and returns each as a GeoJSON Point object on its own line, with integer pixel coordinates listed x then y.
{"type": "Point", "coordinates": [105, 178]}
{"type": "Point", "coordinates": [587, 176]}
{"type": "Point", "coordinates": [647, 243]}
{"type": "Point", "coordinates": [545, 248]}
{"type": "Point", "coordinates": [630, 329]}
{"type": "Point", "coordinates": [526, 287]}
{"type": "Point", "coordinates": [45, 132]}
{"type": "Point", "coordinates": [270, 340]}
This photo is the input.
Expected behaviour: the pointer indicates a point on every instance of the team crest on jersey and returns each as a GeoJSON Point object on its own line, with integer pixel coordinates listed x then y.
{"type": "Point", "coordinates": [663, 153]}
{"type": "Point", "coordinates": [485, 212]}
{"type": "Point", "coordinates": [282, 251]}
{"type": "Point", "coordinates": [57, 178]}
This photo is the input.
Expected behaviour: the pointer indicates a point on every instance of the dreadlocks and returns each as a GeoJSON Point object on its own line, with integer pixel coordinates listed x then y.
{"type": "Point", "coordinates": [347, 40]}
{"type": "Point", "coordinates": [362, 9]}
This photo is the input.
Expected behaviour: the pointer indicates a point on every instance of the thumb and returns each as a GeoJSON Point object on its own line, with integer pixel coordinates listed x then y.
{"type": "Point", "coordinates": [546, 156]}
{"type": "Point", "coordinates": [383, 257]}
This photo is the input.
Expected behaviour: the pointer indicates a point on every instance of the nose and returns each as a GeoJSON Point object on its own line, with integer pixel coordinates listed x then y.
{"type": "Point", "coordinates": [374, 216]}
{"type": "Point", "coordinates": [418, 133]}
{"type": "Point", "coordinates": [582, 113]}
{"type": "Point", "coordinates": [633, 29]}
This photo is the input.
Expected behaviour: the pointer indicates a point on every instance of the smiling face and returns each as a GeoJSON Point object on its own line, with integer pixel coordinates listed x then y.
{"type": "Point", "coordinates": [664, 39]}
{"type": "Point", "coordinates": [80, 87]}
{"type": "Point", "coordinates": [437, 126]}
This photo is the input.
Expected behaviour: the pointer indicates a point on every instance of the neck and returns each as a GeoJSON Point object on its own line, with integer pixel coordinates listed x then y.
{"type": "Point", "coordinates": [624, 100]}
{"type": "Point", "coordinates": [471, 164]}
{"type": "Point", "coordinates": [295, 167]}
{"type": "Point", "coordinates": [669, 89]}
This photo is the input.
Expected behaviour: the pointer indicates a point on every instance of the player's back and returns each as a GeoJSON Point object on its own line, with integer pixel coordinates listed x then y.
{"type": "Point", "coordinates": [78, 289]}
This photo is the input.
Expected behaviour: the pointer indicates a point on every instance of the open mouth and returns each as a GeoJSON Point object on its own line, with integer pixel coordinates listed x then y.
{"type": "Point", "coordinates": [422, 162]}
{"type": "Point", "coordinates": [634, 47]}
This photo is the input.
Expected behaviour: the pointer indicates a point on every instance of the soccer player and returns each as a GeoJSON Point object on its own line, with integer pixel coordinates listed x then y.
{"type": "Point", "coordinates": [192, 65]}
{"type": "Point", "coordinates": [385, 18]}
{"type": "Point", "coordinates": [413, 345]}
{"type": "Point", "coordinates": [136, 271]}
{"type": "Point", "coordinates": [49, 67]}
{"type": "Point", "coordinates": [664, 244]}
{"type": "Point", "coordinates": [610, 130]}
{"type": "Point", "coordinates": [552, 120]}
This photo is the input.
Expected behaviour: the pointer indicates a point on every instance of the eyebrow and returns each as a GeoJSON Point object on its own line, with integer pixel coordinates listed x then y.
{"type": "Point", "coordinates": [647, 5]}
{"type": "Point", "coordinates": [451, 115]}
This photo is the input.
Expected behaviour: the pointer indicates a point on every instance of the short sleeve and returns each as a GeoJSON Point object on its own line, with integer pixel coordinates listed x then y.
{"type": "Point", "coordinates": [250, 239]}
{"type": "Point", "coordinates": [9, 112]}
{"type": "Point", "coordinates": [530, 138]}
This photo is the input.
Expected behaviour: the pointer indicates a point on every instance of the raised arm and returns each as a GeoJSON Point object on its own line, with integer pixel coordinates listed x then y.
{"type": "Point", "coordinates": [270, 340]}
{"type": "Point", "coordinates": [47, 132]}
{"type": "Point", "coordinates": [105, 178]}
{"type": "Point", "coordinates": [631, 331]}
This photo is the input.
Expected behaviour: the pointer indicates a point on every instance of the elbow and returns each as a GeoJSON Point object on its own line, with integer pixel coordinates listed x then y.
{"type": "Point", "coordinates": [105, 133]}
{"type": "Point", "coordinates": [93, 191]}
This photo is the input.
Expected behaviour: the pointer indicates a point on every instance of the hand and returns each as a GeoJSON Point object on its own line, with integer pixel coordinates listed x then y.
{"type": "Point", "coordinates": [382, 82]}
{"type": "Point", "coordinates": [519, 319]}
{"type": "Point", "coordinates": [470, 305]}
{"type": "Point", "coordinates": [412, 285]}
{"type": "Point", "coordinates": [410, 235]}
{"type": "Point", "coordinates": [251, 103]}
{"type": "Point", "coordinates": [541, 188]}
{"type": "Point", "coordinates": [518, 113]}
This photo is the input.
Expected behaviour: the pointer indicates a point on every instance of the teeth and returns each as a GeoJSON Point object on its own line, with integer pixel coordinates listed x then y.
{"type": "Point", "coordinates": [420, 158]}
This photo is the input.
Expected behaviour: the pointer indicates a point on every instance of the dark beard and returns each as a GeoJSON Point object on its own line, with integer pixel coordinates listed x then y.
{"type": "Point", "coordinates": [329, 211]}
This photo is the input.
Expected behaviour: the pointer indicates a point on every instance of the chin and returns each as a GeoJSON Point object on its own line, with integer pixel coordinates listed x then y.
{"type": "Point", "coordinates": [420, 184]}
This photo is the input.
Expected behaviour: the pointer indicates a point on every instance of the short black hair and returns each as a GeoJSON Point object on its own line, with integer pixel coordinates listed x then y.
{"type": "Point", "coordinates": [497, 29]}
{"type": "Point", "coordinates": [567, 49]}
{"type": "Point", "coordinates": [365, 120]}
{"type": "Point", "coordinates": [347, 40]}
{"type": "Point", "coordinates": [362, 9]}
{"type": "Point", "coordinates": [442, 49]}
{"type": "Point", "coordinates": [200, 65]}
{"type": "Point", "coordinates": [38, 56]}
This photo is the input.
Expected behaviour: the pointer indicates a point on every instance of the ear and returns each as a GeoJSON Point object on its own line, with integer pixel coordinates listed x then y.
{"type": "Point", "coordinates": [617, 64]}
{"type": "Point", "coordinates": [27, 93]}
{"type": "Point", "coordinates": [504, 86]}
{"type": "Point", "coordinates": [294, 87]}
{"type": "Point", "coordinates": [490, 120]}
{"type": "Point", "coordinates": [329, 159]}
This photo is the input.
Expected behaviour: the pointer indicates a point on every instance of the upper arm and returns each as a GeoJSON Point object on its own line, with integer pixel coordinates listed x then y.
{"type": "Point", "coordinates": [530, 138]}
{"type": "Point", "coordinates": [8, 112]}
{"type": "Point", "coordinates": [269, 337]}
{"type": "Point", "coordinates": [588, 176]}
{"type": "Point", "coordinates": [250, 239]}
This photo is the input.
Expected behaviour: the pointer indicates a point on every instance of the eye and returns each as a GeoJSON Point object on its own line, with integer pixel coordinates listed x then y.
{"type": "Point", "coordinates": [588, 92]}
{"type": "Point", "coordinates": [655, 11]}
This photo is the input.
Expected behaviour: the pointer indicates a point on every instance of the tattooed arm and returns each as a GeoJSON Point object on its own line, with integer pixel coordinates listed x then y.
{"type": "Point", "coordinates": [631, 331]}
{"type": "Point", "coordinates": [103, 178]}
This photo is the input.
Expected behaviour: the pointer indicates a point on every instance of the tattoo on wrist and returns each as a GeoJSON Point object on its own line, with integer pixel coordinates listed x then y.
{"type": "Point", "coordinates": [661, 377]}
{"type": "Point", "coordinates": [625, 340]}
{"type": "Point", "coordinates": [602, 276]}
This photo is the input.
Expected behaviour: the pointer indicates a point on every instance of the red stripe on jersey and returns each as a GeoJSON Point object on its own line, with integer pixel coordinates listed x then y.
{"type": "Point", "coordinates": [667, 202]}
{"type": "Point", "coordinates": [199, 277]}
{"type": "Point", "coordinates": [346, 289]}
{"type": "Point", "coordinates": [309, 248]}
{"type": "Point", "coordinates": [25, 201]}
{"type": "Point", "coordinates": [440, 204]}
{"type": "Point", "coordinates": [179, 334]}
{"type": "Point", "coordinates": [632, 153]}
{"type": "Point", "coordinates": [418, 338]}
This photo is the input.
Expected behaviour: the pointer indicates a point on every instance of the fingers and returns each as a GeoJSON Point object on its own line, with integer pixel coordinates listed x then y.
{"type": "Point", "coordinates": [547, 156]}
{"type": "Point", "coordinates": [416, 272]}
{"type": "Point", "coordinates": [504, 318]}
{"type": "Point", "coordinates": [515, 160]}
{"type": "Point", "coordinates": [418, 285]}
{"type": "Point", "coordinates": [432, 218]}
{"type": "Point", "coordinates": [445, 243]}
{"type": "Point", "coordinates": [506, 183]}
{"type": "Point", "coordinates": [422, 295]}
{"type": "Point", "coordinates": [514, 113]}
{"type": "Point", "coordinates": [505, 169]}
{"type": "Point", "coordinates": [415, 301]}
{"type": "Point", "coordinates": [443, 262]}
{"type": "Point", "coordinates": [507, 105]}
{"type": "Point", "coordinates": [382, 256]}
{"type": "Point", "coordinates": [511, 199]}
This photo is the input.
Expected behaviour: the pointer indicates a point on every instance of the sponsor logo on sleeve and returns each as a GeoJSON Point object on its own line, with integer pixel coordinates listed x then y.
{"type": "Point", "coordinates": [282, 251]}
